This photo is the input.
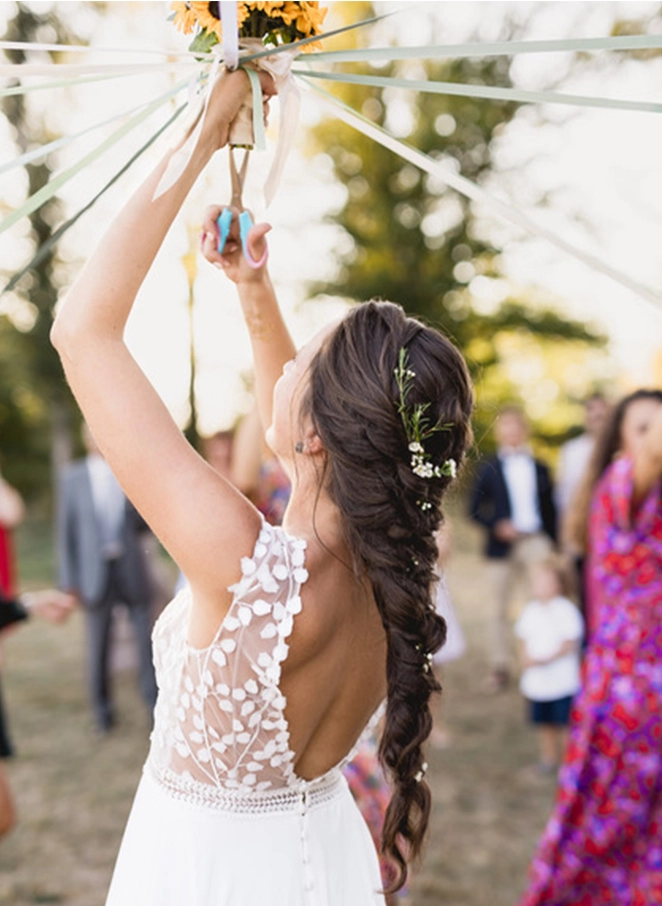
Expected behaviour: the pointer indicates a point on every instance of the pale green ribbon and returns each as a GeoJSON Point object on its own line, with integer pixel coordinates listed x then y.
{"type": "Point", "coordinates": [46, 247]}
{"type": "Point", "coordinates": [448, 51]}
{"type": "Point", "coordinates": [464, 186]}
{"type": "Point", "coordinates": [86, 48]}
{"type": "Point", "coordinates": [459, 183]}
{"type": "Point", "coordinates": [492, 49]}
{"type": "Point", "coordinates": [25, 70]}
{"type": "Point", "coordinates": [37, 153]}
{"type": "Point", "coordinates": [259, 136]}
{"type": "Point", "coordinates": [481, 91]}
{"type": "Point", "coordinates": [52, 187]}
{"type": "Point", "coordinates": [60, 83]}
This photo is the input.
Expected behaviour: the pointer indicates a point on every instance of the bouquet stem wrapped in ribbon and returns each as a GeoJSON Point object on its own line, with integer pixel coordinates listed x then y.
{"type": "Point", "coordinates": [233, 32]}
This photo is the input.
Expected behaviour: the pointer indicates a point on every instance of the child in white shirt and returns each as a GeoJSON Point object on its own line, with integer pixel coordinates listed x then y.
{"type": "Point", "coordinates": [550, 630]}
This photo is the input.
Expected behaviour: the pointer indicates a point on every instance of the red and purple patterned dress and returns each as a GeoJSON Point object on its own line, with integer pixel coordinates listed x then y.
{"type": "Point", "coordinates": [603, 844]}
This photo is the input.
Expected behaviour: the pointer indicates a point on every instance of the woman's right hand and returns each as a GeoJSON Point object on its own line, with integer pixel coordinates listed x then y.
{"type": "Point", "coordinates": [232, 261]}
{"type": "Point", "coordinates": [228, 93]}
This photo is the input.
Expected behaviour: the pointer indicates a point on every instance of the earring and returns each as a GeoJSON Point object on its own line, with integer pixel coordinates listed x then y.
{"type": "Point", "coordinates": [298, 447]}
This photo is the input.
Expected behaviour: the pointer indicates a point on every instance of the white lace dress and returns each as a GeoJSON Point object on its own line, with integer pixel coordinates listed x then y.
{"type": "Point", "coordinates": [220, 817]}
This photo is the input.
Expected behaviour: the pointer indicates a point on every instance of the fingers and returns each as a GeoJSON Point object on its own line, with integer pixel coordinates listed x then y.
{"type": "Point", "coordinates": [267, 84]}
{"type": "Point", "coordinates": [231, 260]}
{"type": "Point", "coordinates": [209, 246]}
{"type": "Point", "coordinates": [210, 219]}
{"type": "Point", "coordinates": [255, 239]}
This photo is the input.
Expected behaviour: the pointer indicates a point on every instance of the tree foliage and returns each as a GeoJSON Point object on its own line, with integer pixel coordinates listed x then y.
{"type": "Point", "coordinates": [36, 407]}
{"type": "Point", "coordinates": [412, 239]}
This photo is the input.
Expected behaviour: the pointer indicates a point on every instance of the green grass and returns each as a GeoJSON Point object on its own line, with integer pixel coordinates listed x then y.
{"type": "Point", "coordinates": [36, 555]}
{"type": "Point", "coordinates": [74, 790]}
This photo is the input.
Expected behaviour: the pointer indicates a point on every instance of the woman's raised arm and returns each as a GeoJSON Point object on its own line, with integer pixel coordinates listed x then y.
{"type": "Point", "coordinates": [204, 523]}
{"type": "Point", "coordinates": [270, 339]}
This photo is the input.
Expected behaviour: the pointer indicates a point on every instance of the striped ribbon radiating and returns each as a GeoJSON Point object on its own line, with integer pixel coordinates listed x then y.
{"type": "Point", "coordinates": [503, 207]}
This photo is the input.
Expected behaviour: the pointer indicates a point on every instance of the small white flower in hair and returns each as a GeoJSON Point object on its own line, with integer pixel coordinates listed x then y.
{"type": "Point", "coordinates": [417, 425]}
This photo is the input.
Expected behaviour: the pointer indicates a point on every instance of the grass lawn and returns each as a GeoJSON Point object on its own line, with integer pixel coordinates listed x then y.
{"type": "Point", "coordinates": [74, 790]}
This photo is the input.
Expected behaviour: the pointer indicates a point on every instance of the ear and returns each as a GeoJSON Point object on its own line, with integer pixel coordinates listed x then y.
{"type": "Point", "coordinates": [312, 443]}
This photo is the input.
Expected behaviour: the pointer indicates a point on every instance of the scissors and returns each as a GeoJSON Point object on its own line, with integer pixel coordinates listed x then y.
{"type": "Point", "coordinates": [245, 220]}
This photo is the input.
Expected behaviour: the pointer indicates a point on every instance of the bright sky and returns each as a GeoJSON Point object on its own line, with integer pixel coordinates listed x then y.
{"type": "Point", "coordinates": [599, 169]}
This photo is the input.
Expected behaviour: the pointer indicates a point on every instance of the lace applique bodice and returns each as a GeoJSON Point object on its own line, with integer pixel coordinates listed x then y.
{"type": "Point", "coordinates": [219, 725]}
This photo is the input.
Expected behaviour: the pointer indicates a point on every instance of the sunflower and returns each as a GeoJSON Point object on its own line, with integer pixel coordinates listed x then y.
{"type": "Point", "coordinates": [270, 9]}
{"type": "Point", "coordinates": [259, 18]}
{"type": "Point", "coordinates": [184, 17]}
{"type": "Point", "coordinates": [206, 18]}
{"type": "Point", "coordinates": [243, 12]}
{"type": "Point", "coordinates": [307, 17]}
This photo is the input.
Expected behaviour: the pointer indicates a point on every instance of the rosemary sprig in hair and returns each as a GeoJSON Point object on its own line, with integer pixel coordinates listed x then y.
{"type": "Point", "coordinates": [418, 427]}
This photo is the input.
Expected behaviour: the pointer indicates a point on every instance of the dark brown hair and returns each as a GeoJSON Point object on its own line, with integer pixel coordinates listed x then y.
{"type": "Point", "coordinates": [608, 444]}
{"type": "Point", "coordinates": [353, 401]}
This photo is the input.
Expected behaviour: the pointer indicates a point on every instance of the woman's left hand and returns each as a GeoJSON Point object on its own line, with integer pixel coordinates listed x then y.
{"type": "Point", "coordinates": [232, 260]}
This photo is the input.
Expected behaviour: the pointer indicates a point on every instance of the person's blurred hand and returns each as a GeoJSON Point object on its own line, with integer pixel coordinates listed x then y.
{"type": "Point", "coordinates": [51, 604]}
{"type": "Point", "coordinates": [505, 531]}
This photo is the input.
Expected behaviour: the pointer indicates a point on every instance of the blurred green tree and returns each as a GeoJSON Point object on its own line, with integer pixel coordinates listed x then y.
{"type": "Point", "coordinates": [417, 242]}
{"type": "Point", "coordinates": [37, 412]}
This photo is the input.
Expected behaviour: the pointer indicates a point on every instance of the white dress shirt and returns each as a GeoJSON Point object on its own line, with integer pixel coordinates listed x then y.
{"type": "Point", "coordinates": [575, 456]}
{"type": "Point", "coordinates": [109, 504]}
{"type": "Point", "coordinates": [519, 472]}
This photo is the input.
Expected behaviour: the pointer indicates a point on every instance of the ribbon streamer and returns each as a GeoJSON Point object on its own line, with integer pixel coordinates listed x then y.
{"type": "Point", "coordinates": [471, 190]}
{"type": "Point", "coordinates": [55, 237]}
{"type": "Point", "coordinates": [87, 48]}
{"type": "Point", "coordinates": [63, 83]}
{"type": "Point", "coordinates": [230, 33]}
{"type": "Point", "coordinates": [52, 186]}
{"type": "Point", "coordinates": [259, 137]}
{"type": "Point", "coordinates": [179, 160]}
{"type": "Point", "coordinates": [492, 49]}
{"type": "Point", "coordinates": [449, 51]}
{"type": "Point", "coordinates": [483, 91]}
{"type": "Point", "coordinates": [289, 100]}
{"type": "Point", "coordinates": [23, 70]}
{"type": "Point", "coordinates": [43, 150]}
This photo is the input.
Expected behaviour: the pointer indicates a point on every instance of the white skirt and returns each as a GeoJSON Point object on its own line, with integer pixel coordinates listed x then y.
{"type": "Point", "coordinates": [292, 848]}
{"type": "Point", "coordinates": [455, 642]}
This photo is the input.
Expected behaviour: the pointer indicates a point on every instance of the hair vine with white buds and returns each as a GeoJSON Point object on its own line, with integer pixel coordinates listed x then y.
{"type": "Point", "coordinates": [418, 428]}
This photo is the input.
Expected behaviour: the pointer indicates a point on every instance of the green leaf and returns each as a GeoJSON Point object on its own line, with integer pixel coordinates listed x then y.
{"type": "Point", "coordinates": [203, 42]}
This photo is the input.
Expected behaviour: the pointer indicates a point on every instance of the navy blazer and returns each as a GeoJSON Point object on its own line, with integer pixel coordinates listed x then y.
{"type": "Point", "coordinates": [490, 502]}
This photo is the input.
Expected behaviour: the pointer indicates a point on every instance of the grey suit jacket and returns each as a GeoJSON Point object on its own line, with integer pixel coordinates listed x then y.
{"type": "Point", "coordinates": [82, 565]}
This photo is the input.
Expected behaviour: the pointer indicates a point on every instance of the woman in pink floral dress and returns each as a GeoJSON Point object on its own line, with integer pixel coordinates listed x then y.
{"type": "Point", "coordinates": [603, 843]}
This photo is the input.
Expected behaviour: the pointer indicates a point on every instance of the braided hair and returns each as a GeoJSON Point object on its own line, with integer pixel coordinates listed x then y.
{"type": "Point", "coordinates": [391, 513]}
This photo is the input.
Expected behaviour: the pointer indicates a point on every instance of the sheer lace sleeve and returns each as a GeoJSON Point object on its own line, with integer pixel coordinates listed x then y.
{"type": "Point", "coordinates": [219, 722]}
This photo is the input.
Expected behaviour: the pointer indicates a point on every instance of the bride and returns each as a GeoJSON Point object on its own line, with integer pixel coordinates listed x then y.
{"type": "Point", "coordinates": [289, 639]}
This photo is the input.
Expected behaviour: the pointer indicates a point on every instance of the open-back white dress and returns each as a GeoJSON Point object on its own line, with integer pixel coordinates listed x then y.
{"type": "Point", "coordinates": [220, 817]}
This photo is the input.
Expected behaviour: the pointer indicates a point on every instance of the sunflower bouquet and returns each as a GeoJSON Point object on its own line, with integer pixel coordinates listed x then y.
{"type": "Point", "coordinates": [260, 25]}
{"type": "Point", "coordinates": [273, 23]}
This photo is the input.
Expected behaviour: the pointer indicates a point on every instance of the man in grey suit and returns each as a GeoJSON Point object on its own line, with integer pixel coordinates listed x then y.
{"type": "Point", "coordinates": [102, 562]}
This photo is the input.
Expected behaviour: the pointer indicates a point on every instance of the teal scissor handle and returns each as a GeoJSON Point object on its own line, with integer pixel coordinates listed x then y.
{"type": "Point", "coordinates": [224, 223]}
{"type": "Point", "coordinates": [245, 223]}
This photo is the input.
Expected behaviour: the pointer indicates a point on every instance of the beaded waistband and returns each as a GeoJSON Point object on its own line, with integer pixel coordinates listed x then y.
{"type": "Point", "coordinates": [299, 797]}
